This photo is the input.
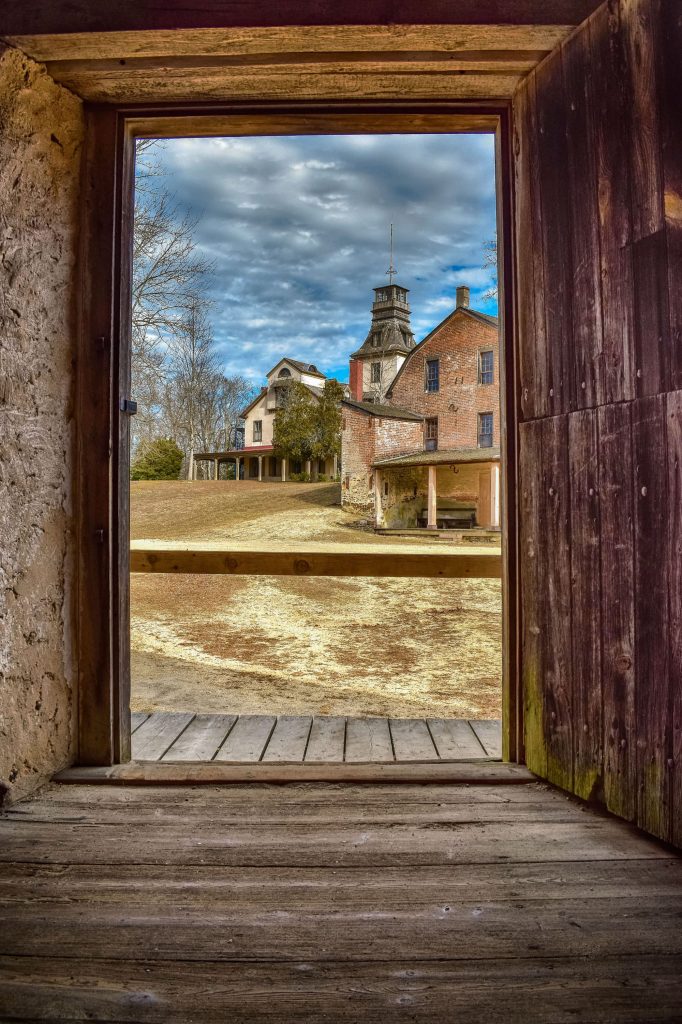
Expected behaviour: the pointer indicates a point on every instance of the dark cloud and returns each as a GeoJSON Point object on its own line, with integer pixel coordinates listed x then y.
{"type": "Point", "coordinates": [298, 229]}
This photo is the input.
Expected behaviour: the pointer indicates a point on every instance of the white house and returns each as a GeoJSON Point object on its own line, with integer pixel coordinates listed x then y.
{"type": "Point", "coordinates": [257, 460]}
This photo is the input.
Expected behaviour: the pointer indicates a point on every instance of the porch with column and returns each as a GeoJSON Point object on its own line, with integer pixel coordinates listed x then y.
{"type": "Point", "coordinates": [456, 489]}
{"type": "Point", "coordinates": [431, 499]}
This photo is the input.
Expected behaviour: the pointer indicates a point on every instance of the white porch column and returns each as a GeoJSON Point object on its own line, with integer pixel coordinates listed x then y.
{"type": "Point", "coordinates": [335, 469]}
{"type": "Point", "coordinates": [378, 511]}
{"type": "Point", "coordinates": [432, 499]}
{"type": "Point", "coordinates": [284, 469]}
{"type": "Point", "coordinates": [308, 466]}
{"type": "Point", "coordinates": [485, 498]}
{"type": "Point", "coordinates": [260, 467]}
{"type": "Point", "coordinates": [215, 469]}
{"type": "Point", "coordinates": [495, 496]}
{"type": "Point", "coordinates": [236, 467]}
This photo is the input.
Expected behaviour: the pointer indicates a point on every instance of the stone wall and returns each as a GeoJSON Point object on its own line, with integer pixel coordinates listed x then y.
{"type": "Point", "coordinates": [366, 438]}
{"type": "Point", "coordinates": [456, 343]}
{"type": "Point", "coordinates": [41, 134]}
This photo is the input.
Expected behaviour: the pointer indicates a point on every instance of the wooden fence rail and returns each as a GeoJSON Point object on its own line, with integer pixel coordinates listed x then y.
{"type": "Point", "coordinates": [316, 563]}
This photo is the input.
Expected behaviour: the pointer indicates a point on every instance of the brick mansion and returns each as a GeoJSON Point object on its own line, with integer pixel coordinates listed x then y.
{"type": "Point", "coordinates": [420, 439]}
{"type": "Point", "coordinates": [420, 442]}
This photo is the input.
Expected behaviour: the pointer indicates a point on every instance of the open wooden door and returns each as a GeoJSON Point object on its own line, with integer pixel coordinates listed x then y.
{"type": "Point", "coordinates": [599, 221]}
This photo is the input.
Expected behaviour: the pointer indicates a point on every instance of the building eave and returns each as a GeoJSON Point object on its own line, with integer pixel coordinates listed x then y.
{"type": "Point", "coordinates": [298, 365]}
{"type": "Point", "coordinates": [446, 457]}
{"type": "Point", "coordinates": [481, 318]}
{"type": "Point", "coordinates": [380, 411]}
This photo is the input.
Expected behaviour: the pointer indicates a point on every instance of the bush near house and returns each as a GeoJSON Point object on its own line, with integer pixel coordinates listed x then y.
{"type": "Point", "coordinates": [307, 428]}
{"type": "Point", "coordinates": [160, 460]}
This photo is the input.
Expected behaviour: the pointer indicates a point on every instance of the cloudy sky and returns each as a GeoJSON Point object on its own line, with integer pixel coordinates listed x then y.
{"type": "Point", "coordinates": [298, 230]}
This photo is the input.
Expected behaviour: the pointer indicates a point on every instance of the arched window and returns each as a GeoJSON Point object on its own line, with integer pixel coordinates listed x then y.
{"type": "Point", "coordinates": [284, 372]}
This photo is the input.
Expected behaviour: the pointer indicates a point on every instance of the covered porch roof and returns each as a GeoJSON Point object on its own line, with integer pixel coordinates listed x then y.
{"type": "Point", "coordinates": [232, 453]}
{"type": "Point", "coordinates": [444, 457]}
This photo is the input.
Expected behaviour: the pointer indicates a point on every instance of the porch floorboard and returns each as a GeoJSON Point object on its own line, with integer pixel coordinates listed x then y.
{"type": "Point", "coordinates": [287, 739]}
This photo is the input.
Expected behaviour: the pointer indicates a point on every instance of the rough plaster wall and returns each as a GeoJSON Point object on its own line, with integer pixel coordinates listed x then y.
{"type": "Point", "coordinates": [41, 132]}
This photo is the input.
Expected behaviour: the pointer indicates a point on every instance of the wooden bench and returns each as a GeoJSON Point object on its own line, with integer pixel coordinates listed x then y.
{"type": "Point", "coordinates": [458, 516]}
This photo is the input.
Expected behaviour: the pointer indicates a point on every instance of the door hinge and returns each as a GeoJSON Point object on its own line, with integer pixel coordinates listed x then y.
{"type": "Point", "coordinates": [128, 406]}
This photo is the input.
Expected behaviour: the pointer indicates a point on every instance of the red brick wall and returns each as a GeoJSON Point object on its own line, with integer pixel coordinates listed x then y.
{"type": "Point", "coordinates": [365, 439]}
{"type": "Point", "coordinates": [356, 379]}
{"type": "Point", "coordinates": [460, 398]}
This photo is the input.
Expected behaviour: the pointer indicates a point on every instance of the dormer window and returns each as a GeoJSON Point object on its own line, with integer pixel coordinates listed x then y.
{"type": "Point", "coordinates": [284, 372]}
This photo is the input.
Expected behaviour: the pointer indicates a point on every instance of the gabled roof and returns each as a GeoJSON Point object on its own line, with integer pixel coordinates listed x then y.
{"type": "Point", "coordinates": [483, 318]}
{"type": "Point", "coordinates": [303, 367]}
{"type": "Point", "coordinates": [389, 412]}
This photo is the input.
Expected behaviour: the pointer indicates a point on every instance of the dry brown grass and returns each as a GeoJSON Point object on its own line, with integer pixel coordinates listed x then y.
{"type": "Point", "coordinates": [291, 646]}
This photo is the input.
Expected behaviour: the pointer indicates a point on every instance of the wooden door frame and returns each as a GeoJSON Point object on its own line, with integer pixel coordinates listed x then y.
{"type": "Point", "coordinates": [103, 372]}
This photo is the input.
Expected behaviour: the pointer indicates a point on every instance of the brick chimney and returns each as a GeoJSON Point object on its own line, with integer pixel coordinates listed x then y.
{"type": "Point", "coordinates": [356, 379]}
{"type": "Point", "coordinates": [462, 297]}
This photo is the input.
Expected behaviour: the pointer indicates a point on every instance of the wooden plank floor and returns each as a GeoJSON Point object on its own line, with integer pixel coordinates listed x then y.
{"type": "Point", "coordinates": [491, 904]}
{"type": "Point", "coordinates": [289, 739]}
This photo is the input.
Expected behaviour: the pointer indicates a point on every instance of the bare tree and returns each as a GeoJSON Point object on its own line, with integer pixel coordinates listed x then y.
{"type": "Point", "coordinates": [167, 275]}
{"type": "Point", "coordinates": [490, 263]}
{"type": "Point", "coordinates": [233, 394]}
{"type": "Point", "coordinates": [193, 372]}
{"type": "Point", "coordinates": [180, 386]}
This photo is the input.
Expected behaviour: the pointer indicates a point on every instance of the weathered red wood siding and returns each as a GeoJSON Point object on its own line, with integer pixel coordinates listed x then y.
{"type": "Point", "coordinates": [598, 140]}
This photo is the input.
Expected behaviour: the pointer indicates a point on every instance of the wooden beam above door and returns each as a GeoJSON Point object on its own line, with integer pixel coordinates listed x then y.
{"type": "Point", "coordinates": [133, 53]}
{"type": "Point", "coordinates": [59, 16]}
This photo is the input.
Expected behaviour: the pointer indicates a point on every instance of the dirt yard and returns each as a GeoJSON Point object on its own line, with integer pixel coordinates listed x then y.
{"type": "Point", "coordinates": [284, 645]}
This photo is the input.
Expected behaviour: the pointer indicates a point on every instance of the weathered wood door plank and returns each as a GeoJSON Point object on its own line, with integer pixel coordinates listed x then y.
{"type": "Point", "coordinates": [489, 733]}
{"type": "Point", "coordinates": [455, 738]}
{"type": "Point", "coordinates": [368, 739]}
{"type": "Point", "coordinates": [412, 740]}
{"type": "Point", "coordinates": [327, 740]}
{"type": "Point", "coordinates": [137, 718]}
{"type": "Point", "coordinates": [201, 739]}
{"type": "Point", "coordinates": [289, 739]}
{"type": "Point", "coordinates": [247, 739]}
{"type": "Point", "coordinates": [158, 733]}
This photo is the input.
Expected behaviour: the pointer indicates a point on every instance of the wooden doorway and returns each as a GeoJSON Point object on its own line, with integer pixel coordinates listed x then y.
{"type": "Point", "coordinates": [104, 377]}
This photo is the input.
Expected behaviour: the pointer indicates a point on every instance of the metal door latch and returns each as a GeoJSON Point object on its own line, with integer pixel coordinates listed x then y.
{"type": "Point", "coordinates": [128, 406]}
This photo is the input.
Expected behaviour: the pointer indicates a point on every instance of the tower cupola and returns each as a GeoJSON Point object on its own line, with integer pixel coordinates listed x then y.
{"type": "Point", "coordinates": [390, 329]}
{"type": "Point", "coordinates": [388, 343]}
